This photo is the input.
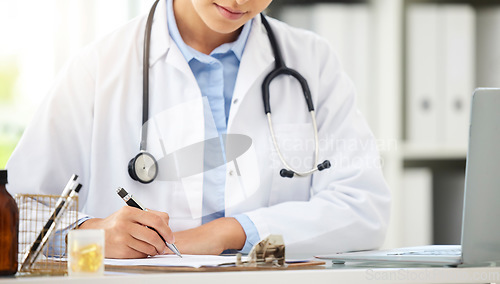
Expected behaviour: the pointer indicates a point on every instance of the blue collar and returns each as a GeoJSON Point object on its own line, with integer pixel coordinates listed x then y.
{"type": "Point", "coordinates": [237, 47]}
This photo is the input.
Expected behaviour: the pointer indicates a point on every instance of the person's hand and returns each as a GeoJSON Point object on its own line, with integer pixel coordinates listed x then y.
{"type": "Point", "coordinates": [211, 238]}
{"type": "Point", "coordinates": [127, 236]}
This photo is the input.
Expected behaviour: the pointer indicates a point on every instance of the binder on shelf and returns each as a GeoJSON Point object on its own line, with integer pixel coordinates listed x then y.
{"type": "Point", "coordinates": [416, 207]}
{"type": "Point", "coordinates": [329, 21]}
{"type": "Point", "coordinates": [347, 28]}
{"type": "Point", "coordinates": [458, 53]}
{"type": "Point", "coordinates": [298, 16]}
{"type": "Point", "coordinates": [422, 75]}
{"type": "Point", "coordinates": [488, 46]}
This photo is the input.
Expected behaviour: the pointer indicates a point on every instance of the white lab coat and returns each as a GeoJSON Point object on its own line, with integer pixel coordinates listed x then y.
{"type": "Point", "coordinates": [89, 124]}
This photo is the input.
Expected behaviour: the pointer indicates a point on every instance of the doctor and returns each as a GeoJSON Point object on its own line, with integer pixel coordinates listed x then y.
{"type": "Point", "coordinates": [207, 62]}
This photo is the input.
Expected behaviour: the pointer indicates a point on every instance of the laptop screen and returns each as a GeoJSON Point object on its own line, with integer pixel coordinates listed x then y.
{"type": "Point", "coordinates": [481, 219]}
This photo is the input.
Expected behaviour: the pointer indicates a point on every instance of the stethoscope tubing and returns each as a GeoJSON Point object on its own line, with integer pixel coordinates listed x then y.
{"type": "Point", "coordinates": [283, 70]}
{"type": "Point", "coordinates": [145, 77]}
{"type": "Point", "coordinates": [280, 69]}
{"type": "Point", "coordinates": [282, 158]}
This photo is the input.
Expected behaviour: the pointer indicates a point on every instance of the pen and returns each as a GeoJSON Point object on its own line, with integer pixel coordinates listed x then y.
{"type": "Point", "coordinates": [67, 189]}
{"type": "Point", "coordinates": [134, 203]}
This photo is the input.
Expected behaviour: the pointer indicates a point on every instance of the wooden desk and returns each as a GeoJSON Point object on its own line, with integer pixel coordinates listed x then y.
{"type": "Point", "coordinates": [325, 274]}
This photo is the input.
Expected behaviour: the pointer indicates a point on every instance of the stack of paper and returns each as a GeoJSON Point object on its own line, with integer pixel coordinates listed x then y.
{"type": "Point", "coordinates": [173, 260]}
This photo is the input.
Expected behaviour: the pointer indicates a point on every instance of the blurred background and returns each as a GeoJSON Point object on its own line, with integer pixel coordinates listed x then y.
{"type": "Point", "coordinates": [415, 64]}
{"type": "Point", "coordinates": [36, 38]}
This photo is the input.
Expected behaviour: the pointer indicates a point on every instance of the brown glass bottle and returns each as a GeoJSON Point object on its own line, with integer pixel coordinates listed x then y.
{"type": "Point", "coordinates": [9, 229]}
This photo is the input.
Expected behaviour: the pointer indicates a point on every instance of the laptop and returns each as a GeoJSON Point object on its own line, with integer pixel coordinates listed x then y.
{"type": "Point", "coordinates": [480, 243]}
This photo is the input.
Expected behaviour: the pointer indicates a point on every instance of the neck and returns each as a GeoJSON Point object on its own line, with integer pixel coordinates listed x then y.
{"type": "Point", "coordinates": [195, 32]}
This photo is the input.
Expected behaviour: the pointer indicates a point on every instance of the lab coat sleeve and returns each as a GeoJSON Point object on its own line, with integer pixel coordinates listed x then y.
{"type": "Point", "coordinates": [349, 203]}
{"type": "Point", "coordinates": [252, 235]}
{"type": "Point", "coordinates": [57, 142]}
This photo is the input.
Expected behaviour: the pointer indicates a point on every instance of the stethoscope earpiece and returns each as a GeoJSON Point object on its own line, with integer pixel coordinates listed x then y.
{"type": "Point", "coordinates": [325, 165]}
{"type": "Point", "coordinates": [290, 174]}
{"type": "Point", "coordinates": [287, 173]}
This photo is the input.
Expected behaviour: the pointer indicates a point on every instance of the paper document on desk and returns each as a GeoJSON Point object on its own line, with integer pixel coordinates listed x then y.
{"type": "Point", "coordinates": [195, 261]}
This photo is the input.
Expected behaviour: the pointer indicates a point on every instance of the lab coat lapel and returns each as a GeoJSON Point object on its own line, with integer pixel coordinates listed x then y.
{"type": "Point", "coordinates": [185, 107]}
{"type": "Point", "coordinates": [162, 43]}
{"type": "Point", "coordinates": [160, 39]}
{"type": "Point", "coordinates": [256, 59]}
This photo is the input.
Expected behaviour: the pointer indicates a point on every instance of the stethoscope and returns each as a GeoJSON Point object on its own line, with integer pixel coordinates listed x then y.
{"type": "Point", "coordinates": [144, 167]}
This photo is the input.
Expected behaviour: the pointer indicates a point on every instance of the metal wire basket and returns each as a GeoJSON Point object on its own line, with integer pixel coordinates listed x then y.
{"type": "Point", "coordinates": [34, 212]}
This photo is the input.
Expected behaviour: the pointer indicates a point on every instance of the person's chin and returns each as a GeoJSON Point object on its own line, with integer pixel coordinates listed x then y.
{"type": "Point", "coordinates": [223, 27]}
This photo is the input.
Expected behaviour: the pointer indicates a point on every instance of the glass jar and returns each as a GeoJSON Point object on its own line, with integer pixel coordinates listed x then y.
{"type": "Point", "coordinates": [9, 229]}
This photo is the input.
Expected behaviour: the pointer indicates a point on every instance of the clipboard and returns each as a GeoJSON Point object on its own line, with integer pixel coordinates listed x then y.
{"type": "Point", "coordinates": [312, 264]}
{"type": "Point", "coordinates": [268, 254]}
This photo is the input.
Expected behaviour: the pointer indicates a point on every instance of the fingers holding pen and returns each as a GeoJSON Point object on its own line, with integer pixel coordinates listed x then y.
{"type": "Point", "coordinates": [132, 248]}
{"type": "Point", "coordinates": [146, 240]}
{"type": "Point", "coordinates": [135, 226]}
{"type": "Point", "coordinates": [154, 224]}
{"type": "Point", "coordinates": [143, 229]}
{"type": "Point", "coordinates": [158, 223]}
{"type": "Point", "coordinates": [156, 220]}
{"type": "Point", "coordinates": [161, 224]}
{"type": "Point", "coordinates": [125, 236]}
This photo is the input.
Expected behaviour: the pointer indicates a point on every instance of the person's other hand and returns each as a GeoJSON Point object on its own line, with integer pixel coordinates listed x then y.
{"type": "Point", "coordinates": [211, 238]}
{"type": "Point", "coordinates": [127, 236]}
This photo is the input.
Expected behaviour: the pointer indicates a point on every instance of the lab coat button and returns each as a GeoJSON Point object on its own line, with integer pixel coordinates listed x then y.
{"type": "Point", "coordinates": [231, 173]}
{"type": "Point", "coordinates": [235, 101]}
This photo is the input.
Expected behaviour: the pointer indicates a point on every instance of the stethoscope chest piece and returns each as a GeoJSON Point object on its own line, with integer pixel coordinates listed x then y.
{"type": "Point", "coordinates": [143, 167]}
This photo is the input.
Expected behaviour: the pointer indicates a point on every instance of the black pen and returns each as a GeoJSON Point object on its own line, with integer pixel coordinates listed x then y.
{"type": "Point", "coordinates": [134, 203]}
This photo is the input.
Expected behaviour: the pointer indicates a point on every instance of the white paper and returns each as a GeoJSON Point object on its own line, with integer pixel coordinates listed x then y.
{"type": "Point", "coordinates": [173, 260]}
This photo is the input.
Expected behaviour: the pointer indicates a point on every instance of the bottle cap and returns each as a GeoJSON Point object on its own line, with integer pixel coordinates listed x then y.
{"type": "Point", "coordinates": [3, 176]}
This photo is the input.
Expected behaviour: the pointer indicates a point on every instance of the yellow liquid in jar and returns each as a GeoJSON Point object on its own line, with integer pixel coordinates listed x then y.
{"type": "Point", "coordinates": [86, 259]}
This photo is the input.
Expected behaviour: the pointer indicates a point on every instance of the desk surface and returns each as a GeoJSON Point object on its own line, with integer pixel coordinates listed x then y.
{"type": "Point", "coordinates": [362, 273]}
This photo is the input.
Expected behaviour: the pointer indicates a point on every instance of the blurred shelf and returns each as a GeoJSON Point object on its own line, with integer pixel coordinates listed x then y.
{"type": "Point", "coordinates": [388, 37]}
{"type": "Point", "coordinates": [472, 2]}
{"type": "Point", "coordinates": [276, 5]}
{"type": "Point", "coordinates": [293, 2]}
{"type": "Point", "coordinates": [419, 153]}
